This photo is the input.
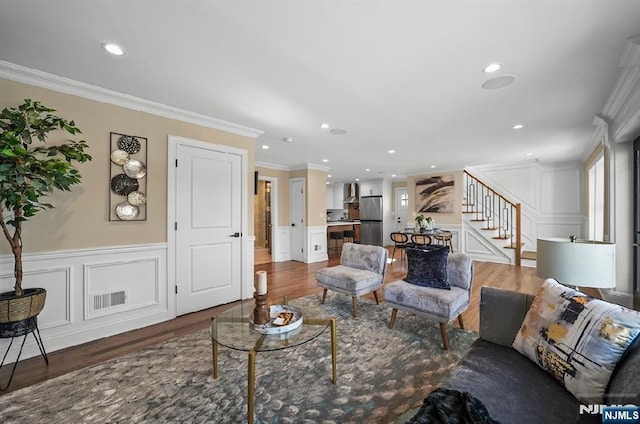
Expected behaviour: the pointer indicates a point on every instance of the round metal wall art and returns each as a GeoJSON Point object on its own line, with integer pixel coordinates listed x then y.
{"type": "Point", "coordinates": [127, 211]}
{"type": "Point", "coordinates": [137, 198]}
{"type": "Point", "coordinates": [129, 144]}
{"type": "Point", "coordinates": [135, 169]}
{"type": "Point", "coordinates": [119, 157]}
{"type": "Point", "coordinates": [123, 185]}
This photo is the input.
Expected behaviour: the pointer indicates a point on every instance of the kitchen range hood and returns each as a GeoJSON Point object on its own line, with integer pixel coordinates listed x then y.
{"type": "Point", "coordinates": [351, 193]}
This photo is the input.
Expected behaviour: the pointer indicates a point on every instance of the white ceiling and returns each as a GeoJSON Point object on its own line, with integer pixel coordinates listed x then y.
{"type": "Point", "coordinates": [397, 74]}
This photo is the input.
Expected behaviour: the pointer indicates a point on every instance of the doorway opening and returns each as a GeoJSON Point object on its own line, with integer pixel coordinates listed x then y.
{"type": "Point", "coordinates": [263, 225]}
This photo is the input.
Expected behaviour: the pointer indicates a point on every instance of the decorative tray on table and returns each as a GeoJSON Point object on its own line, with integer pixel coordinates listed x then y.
{"type": "Point", "coordinates": [284, 318]}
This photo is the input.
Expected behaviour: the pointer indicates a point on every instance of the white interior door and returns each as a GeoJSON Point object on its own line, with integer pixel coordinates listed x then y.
{"type": "Point", "coordinates": [296, 197]}
{"type": "Point", "coordinates": [209, 227]}
{"type": "Point", "coordinates": [402, 208]}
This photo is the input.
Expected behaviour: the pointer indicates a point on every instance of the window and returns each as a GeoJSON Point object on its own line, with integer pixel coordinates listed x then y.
{"type": "Point", "coordinates": [596, 194]}
{"type": "Point", "coordinates": [404, 199]}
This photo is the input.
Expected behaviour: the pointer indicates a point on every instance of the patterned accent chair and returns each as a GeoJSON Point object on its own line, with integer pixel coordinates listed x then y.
{"type": "Point", "coordinates": [362, 269]}
{"type": "Point", "coordinates": [433, 303]}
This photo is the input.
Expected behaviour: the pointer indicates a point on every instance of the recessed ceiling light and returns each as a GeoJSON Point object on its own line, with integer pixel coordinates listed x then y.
{"type": "Point", "coordinates": [529, 153]}
{"type": "Point", "coordinates": [265, 147]}
{"type": "Point", "coordinates": [325, 160]}
{"type": "Point", "coordinates": [433, 166]}
{"type": "Point", "coordinates": [367, 170]}
{"type": "Point", "coordinates": [327, 182]}
{"type": "Point", "coordinates": [338, 131]}
{"type": "Point", "coordinates": [393, 175]}
{"type": "Point", "coordinates": [324, 126]}
{"type": "Point", "coordinates": [493, 67]}
{"type": "Point", "coordinates": [518, 127]}
{"type": "Point", "coordinates": [392, 151]}
{"type": "Point", "coordinates": [288, 139]}
{"type": "Point", "coordinates": [113, 48]}
{"type": "Point", "coordinates": [498, 82]}
{"type": "Point", "coordinates": [357, 179]}
{"type": "Point", "coordinates": [329, 176]}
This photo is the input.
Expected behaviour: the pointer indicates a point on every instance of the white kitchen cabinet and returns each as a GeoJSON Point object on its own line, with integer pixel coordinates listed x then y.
{"type": "Point", "coordinates": [370, 189]}
{"type": "Point", "coordinates": [330, 196]}
{"type": "Point", "coordinates": [335, 196]}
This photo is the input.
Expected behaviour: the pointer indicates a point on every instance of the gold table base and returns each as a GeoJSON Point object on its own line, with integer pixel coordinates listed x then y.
{"type": "Point", "coordinates": [251, 373]}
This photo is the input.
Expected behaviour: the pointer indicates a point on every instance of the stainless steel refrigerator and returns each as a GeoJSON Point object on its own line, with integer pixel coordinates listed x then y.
{"type": "Point", "coordinates": [371, 220]}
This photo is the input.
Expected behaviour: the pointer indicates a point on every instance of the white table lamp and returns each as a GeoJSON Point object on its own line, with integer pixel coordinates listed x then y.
{"type": "Point", "coordinates": [582, 263]}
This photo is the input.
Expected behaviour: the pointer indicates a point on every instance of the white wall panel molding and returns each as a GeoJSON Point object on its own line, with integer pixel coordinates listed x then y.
{"type": "Point", "coordinates": [479, 248]}
{"type": "Point", "coordinates": [37, 78]}
{"type": "Point", "coordinates": [56, 281]}
{"type": "Point", "coordinates": [71, 277]}
{"type": "Point", "coordinates": [316, 248]}
{"type": "Point", "coordinates": [281, 252]}
{"type": "Point", "coordinates": [137, 280]}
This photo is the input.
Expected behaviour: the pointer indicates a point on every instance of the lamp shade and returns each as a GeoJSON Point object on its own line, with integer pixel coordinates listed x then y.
{"type": "Point", "coordinates": [583, 263]}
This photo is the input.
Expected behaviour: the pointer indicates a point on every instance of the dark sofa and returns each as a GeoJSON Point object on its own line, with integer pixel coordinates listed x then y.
{"type": "Point", "coordinates": [516, 390]}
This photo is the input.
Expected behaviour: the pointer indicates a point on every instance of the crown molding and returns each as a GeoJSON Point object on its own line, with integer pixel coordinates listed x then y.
{"type": "Point", "coordinates": [271, 166]}
{"type": "Point", "coordinates": [630, 56]}
{"type": "Point", "coordinates": [621, 107]}
{"type": "Point", "coordinates": [24, 75]}
{"type": "Point", "coordinates": [309, 165]}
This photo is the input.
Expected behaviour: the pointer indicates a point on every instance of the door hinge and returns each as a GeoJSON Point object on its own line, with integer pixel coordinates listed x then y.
{"type": "Point", "coordinates": [176, 289]}
{"type": "Point", "coordinates": [176, 163]}
{"type": "Point", "coordinates": [175, 226]}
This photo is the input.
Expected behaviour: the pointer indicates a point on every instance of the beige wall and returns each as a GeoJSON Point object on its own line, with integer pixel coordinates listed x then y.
{"type": "Point", "coordinates": [316, 198]}
{"type": "Point", "coordinates": [282, 178]}
{"type": "Point", "coordinates": [439, 218]}
{"type": "Point", "coordinates": [81, 218]}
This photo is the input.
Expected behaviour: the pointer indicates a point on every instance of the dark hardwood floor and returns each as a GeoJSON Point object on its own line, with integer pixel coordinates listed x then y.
{"type": "Point", "coordinates": [292, 279]}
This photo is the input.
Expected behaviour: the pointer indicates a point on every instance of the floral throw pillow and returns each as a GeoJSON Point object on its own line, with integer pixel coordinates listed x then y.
{"type": "Point", "coordinates": [576, 338]}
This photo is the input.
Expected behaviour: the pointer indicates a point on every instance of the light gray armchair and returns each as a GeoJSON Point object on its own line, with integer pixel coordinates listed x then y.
{"type": "Point", "coordinates": [434, 303]}
{"type": "Point", "coordinates": [361, 271]}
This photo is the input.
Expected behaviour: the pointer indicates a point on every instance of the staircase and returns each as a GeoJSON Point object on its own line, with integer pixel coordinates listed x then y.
{"type": "Point", "coordinates": [493, 224]}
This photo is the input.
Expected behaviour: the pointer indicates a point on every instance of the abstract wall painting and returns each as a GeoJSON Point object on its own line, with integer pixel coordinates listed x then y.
{"type": "Point", "coordinates": [435, 194]}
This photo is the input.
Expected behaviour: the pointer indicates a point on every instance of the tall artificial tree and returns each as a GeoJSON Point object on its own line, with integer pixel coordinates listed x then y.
{"type": "Point", "coordinates": [31, 168]}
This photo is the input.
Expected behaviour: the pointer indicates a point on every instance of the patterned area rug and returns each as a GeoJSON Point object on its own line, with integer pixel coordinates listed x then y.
{"type": "Point", "coordinates": [382, 373]}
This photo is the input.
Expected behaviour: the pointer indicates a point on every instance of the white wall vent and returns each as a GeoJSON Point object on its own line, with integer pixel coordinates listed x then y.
{"type": "Point", "coordinates": [108, 300]}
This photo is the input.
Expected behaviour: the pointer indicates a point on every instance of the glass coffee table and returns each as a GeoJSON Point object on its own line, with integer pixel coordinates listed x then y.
{"type": "Point", "coordinates": [232, 329]}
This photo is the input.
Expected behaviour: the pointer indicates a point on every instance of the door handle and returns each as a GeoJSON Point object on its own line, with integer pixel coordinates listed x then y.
{"type": "Point", "coordinates": [293, 225]}
{"type": "Point", "coordinates": [235, 235]}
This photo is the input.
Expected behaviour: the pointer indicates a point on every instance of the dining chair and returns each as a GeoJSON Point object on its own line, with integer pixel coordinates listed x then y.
{"type": "Point", "coordinates": [418, 240]}
{"type": "Point", "coordinates": [400, 241]}
{"type": "Point", "coordinates": [444, 238]}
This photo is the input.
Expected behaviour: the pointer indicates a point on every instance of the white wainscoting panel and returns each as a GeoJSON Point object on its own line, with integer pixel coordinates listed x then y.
{"type": "Point", "coordinates": [316, 249]}
{"type": "Point", "coordinates": [282, 251]}
{"type": "Point", "coordinates": [138, 279]}
{"type": "Point", "coordinates": [57, 283]}
{"type": "Point", "coordinates": [479, 248]}
{"type": "Point", "coordinates": [72, 277]}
